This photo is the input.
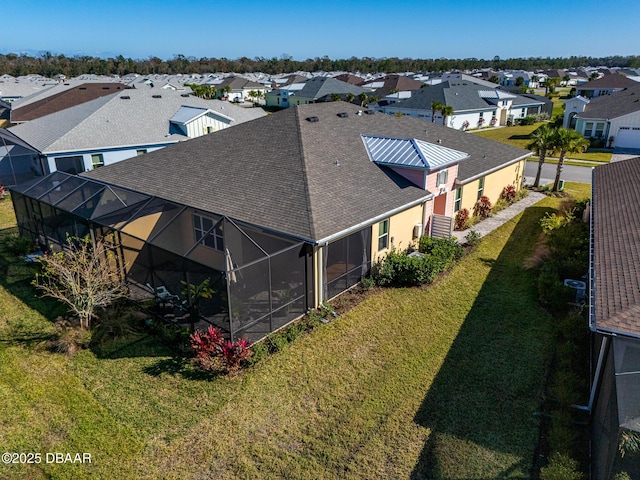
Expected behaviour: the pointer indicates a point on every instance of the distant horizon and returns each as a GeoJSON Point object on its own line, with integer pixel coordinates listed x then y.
{"type": "Point", "coordinates": [337, 29]}
{"type": "Point", "coordinates": [112, 55]}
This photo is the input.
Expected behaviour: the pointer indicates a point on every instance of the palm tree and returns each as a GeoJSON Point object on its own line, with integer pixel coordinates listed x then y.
{"type": "Point", "coordinates": [542, 140]}
{"type": "Point", "coordinates": [566, 142]}
{"type": "Point", "coordinates": [435, 107]}
{"type": "Point", "coordinates": [335, 97]}
{"type": "Point", "coordinates": [350, 97]}
{"type": "Point", "coordinates": [447, 111]}
{"type": "Point", "coordinates": [363, 98]}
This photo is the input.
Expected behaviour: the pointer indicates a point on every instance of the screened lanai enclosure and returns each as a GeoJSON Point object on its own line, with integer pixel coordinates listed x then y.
{"type": "Point", "coordinates": [19, 162]}
{"type": "Point", "coordinates": [262, 279]}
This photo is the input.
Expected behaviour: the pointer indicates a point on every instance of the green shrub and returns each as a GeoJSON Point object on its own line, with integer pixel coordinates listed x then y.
{"type": "Point", "coordinates": [552, 294]}
{"type": "Point", "coordinates": [277, 342]}
{"type": "Point", "coordinates": [622, 476]}
{"type": "Point", "coordinates": [69, 338]}
{"type": "Point", "coordinates": [560, 467]}
{"type": "Point", "coordinates": [367, 283]}
{"type": "Point", "coordinates": [528, 120]}
{"type": "Point", "coordinates": [473, 238]}
{"type": "Point", "coordinates": [260, 352]}
{"type": "Point", "coordinates": [19, 245]}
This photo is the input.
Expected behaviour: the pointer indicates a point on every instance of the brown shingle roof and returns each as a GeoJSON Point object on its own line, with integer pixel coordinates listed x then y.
{"type": "Point", "coordinates": [616, 246]}
{"type": "Point", "coordinates": [63, 100]}
{"type": "Point", "coordinates": [608, 81]}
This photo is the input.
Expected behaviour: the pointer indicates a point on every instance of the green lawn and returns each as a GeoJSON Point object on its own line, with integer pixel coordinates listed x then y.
{"type": "Point", "coordinates": [519, 136]}
{"type": "Point", "coordinates": [442, 382]}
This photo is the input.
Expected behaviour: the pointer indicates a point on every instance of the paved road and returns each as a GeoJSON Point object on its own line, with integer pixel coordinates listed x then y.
{"type": "Point", "coordinates": [570, 173]}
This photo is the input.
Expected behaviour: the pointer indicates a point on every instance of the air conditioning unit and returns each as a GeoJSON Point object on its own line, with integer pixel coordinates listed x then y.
{"type": "Point", "coordinates": [417, 230]}
{"type": "Point", "coordinates": [579, 286]}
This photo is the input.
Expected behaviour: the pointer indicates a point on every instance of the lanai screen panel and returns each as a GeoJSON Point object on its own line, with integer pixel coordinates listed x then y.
{"type": "Point", "coordinates": [347, 261]}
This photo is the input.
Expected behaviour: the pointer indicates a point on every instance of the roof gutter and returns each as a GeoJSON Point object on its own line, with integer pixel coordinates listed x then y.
{"type": "Point", "coordinates": [373, 220]}
{"type": "Point", "coordinates": [495, 169]}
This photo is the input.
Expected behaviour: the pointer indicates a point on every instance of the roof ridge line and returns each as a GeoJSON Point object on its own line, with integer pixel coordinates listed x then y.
{"type": "Point", "coordinates": [305, 175]}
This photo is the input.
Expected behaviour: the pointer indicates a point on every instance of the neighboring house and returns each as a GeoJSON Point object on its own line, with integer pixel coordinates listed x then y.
{"type": "Point", "coordinates": [391, 84]}
{"type": "Point", "coordinates": [30, 109]}
{"type": "Point", "coordinates": [281, 213]}
{"type": "Point", "coordinates": [15, 88]}
{"type": "Point", "coordinates": [614, 316]}
{"type": "Point", "coordinates": [122, 125]}
{"type": "Point", "coordinates": [510, 79]}
{"type": "Point", "coordinates": [236, 88]}
{"type": "Point", "coordinates": [317, 89]}
{"type": "Point", "coordinates": [473, 105]}
{"type": "Point", "coordinates": [604, 86]}
{"type": "Point", "coordinates": [615, 118]}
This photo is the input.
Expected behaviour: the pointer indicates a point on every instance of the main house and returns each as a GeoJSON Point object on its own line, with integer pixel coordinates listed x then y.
{"type": "Point", "coordinates": [281, 213]}
{"type": "Point", "coordinates": [614, 317]}
{"type": "Point", "coordinates": [121, 125]}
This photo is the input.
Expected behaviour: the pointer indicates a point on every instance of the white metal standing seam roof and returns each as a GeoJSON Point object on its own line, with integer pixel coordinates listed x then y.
{"type": "Point", "coordinates": [495, 94]}
{"type": "Point", "coordinates": [410, 152]}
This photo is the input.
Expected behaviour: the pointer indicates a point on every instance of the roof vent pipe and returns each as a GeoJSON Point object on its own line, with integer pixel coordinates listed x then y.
{"type": "Point", "coordinates": [312, 119]}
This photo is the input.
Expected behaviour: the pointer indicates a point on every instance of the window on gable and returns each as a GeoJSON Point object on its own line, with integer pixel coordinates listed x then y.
{"type": "Point", "coordinates": [97, 160]}
{"type": "Point", "coordinates": [141, 151]}
{"type": "Point", "coordinates": [207, 233]}
{"type": "Point", "coordinates": [443, 176]}
{"type": "Point", "coordinates": [383, 235]}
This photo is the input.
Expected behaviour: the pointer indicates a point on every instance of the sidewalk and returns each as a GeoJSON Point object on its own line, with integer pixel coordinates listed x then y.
{"type": "Point", "coordinates": [490, 224]}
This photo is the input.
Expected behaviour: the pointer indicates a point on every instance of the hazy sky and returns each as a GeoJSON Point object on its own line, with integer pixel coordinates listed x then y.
{"type": "Point", "coordinates": [338, 29]}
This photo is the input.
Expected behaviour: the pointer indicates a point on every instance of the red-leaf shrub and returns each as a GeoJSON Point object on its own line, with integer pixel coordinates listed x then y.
{"type": "Point", "coordinates": [509, 194]}
{"type": "Point", "coordinates": [461, 219]}
{"type": "Point", "coordinates": [233, 354]}
{"type": "Point", "coordinates": [483, 207]}
{"type": "Point", "coordinates": [206, 346]}
{"type": "Point", "coordinates": [213, 352]}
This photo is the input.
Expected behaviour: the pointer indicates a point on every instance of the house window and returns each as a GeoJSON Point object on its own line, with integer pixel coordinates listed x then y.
{"type": "Point", "coordinates": [141, 152]}
{"type": "Point", "coordinates": [588, 127]}
{"type": "Point", "coordinates": [383, 235]}
{"type": "Point", "coordinates": [442, 177]}
{"type": "Point", "coordinates": [599, 129]}
{"type": "Point", "coordinates": [481, 114]}
{"type": "Point", "coordinates": [458, 202]}
{"type": "Point", "coordinates": [522, 112]}
{"type": "Point", "coordinates": [480, 187]}
{"type": "Point", "coordinates": [97, 160]}
{"type": "Point", "coordinates": [207, 233]}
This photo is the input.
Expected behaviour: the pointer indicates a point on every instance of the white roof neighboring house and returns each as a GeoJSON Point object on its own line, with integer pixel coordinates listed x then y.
{"type": "Point", "coordinates": [130, 117]}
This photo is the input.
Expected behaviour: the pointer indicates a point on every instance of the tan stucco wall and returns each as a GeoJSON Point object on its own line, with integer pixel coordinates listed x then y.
{"type": "Point", "coordinates": [400, 229]}
{"type": "Point", "coordinates": [493, 184]}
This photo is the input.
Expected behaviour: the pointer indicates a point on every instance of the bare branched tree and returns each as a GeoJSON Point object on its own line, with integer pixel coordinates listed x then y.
{"type": "Point", "coordinates": [83, 277]}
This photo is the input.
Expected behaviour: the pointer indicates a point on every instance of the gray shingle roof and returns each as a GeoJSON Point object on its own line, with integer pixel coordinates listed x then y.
{"type": "Point", "coordinates": [113, 121]}
{"type": "Point", "coordinates": [615, 105]}
{"type": "Point", "coordinates": [616, 246]}
{"type": "Point", "coordinates": [318, 87]}
{"type": "Point", "coordinates": [308, 179]}
{"type": "Point", "coordinates": [608, 81]}
{"type": "Point", "coordinates": [460, 97]}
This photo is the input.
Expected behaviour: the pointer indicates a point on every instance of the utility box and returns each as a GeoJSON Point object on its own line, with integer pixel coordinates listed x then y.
{"type": "Point", "coordinates": [579, 286]}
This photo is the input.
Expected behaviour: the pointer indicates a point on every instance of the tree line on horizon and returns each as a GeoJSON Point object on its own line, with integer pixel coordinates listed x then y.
{"type": "Point", "coordinates": [50, 65]}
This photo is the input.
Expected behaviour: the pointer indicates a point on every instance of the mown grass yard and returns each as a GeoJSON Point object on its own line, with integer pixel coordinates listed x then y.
{"type": "Point", "coordinates": [519, 136]}
{"type": "Point", "coordinates": [442, 382]}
